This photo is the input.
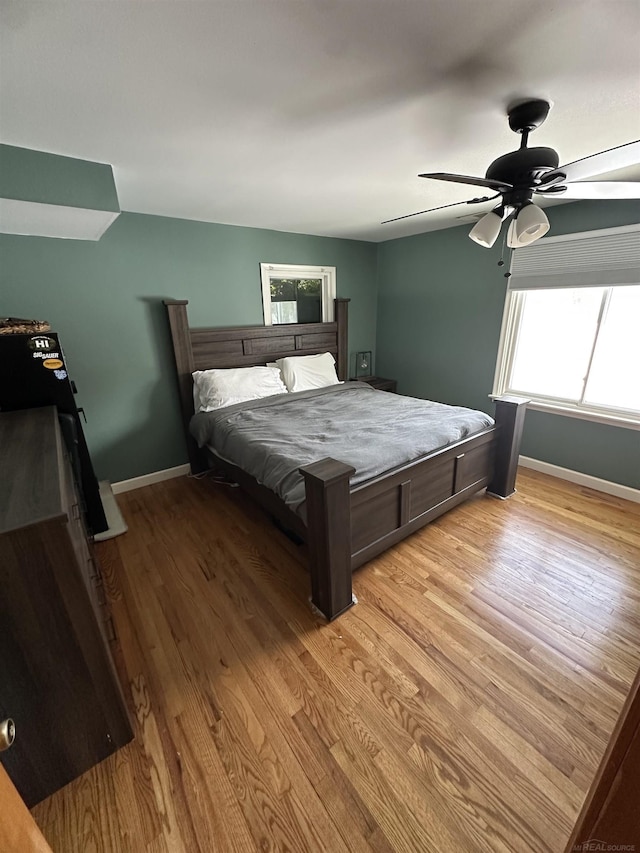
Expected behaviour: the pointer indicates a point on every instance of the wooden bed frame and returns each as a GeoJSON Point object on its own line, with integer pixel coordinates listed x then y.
{"type": "Point", "coordinates": [346, 526]}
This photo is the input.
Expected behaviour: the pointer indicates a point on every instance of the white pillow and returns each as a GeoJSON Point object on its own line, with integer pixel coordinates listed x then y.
{"type": "Point", "coordinates": [304, 372]}
{"type": "Point", "coordinates": [213, 389]}
{"type": "Point", "coordinates": [277, 367]}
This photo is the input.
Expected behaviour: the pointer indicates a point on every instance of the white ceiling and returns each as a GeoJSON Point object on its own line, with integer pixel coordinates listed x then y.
{"type": "Point", "coordinates": [312, 116]}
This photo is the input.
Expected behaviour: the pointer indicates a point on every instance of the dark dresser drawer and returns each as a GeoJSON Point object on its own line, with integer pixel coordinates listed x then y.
{"type": "Point", "coordinates": [59, 683]}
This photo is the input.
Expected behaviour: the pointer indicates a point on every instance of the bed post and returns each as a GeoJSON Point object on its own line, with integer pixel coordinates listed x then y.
{"type": "Point", "coordinates": [342, 319]}
{"type": "Point", "coordinates": [329, 535]}
{"type": "Point", "coordinates": [183, 354]}
{"type": "Point", "coordinates": [510, 412]}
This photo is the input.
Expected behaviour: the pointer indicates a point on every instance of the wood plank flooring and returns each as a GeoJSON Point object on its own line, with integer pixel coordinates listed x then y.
{"type": "Point", "coordinates": [463, 705]}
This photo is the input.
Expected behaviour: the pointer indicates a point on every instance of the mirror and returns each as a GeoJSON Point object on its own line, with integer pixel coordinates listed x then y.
{"type": "Point", "coordinates": [293, 293]}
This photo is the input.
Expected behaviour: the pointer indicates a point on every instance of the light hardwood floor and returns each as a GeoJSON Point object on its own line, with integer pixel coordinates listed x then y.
{"type": "Point", "coordinates": [462, 706]}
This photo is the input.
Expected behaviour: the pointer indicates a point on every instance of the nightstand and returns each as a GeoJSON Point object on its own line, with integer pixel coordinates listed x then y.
{"type": "Point", "coordinates": [379, 383]}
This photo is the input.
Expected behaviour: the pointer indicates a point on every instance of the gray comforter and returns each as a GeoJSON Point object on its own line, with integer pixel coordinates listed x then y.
{"type": "Point", "coordinates": [371, 430]}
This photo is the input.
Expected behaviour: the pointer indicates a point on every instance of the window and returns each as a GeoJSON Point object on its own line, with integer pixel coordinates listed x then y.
{"type": "Point", "coordinates": [571, 329]}
{"type": "Point", "coordinates": [297, 294]}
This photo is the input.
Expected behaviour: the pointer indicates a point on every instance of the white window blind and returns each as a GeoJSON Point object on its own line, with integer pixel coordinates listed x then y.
{"type": "Point", "coordinates": [590, 259]}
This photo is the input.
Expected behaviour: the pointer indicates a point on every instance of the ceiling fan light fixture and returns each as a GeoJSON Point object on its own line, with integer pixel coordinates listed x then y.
{"type": "Point", "coordinates": [527, 226]}
{"type": "Point", "coordinates": [485, 231]}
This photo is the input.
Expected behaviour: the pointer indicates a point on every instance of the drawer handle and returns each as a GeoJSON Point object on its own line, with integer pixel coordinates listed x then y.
{"type": "Point", "coordinates": [110, 628]}
{"type": "Point", "coordinates": [100, 593]}
{"type": "Point", "coordinates": [96, 575]}
{"type": "Point", "coordinates": [7, 733]}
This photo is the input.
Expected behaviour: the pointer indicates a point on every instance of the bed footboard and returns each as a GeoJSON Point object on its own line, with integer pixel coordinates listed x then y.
{"type": "Point", "coordinates": [329, 535]}
{"type": "Point", "coordinates": [347, 526]}
{"type": "Point", "coordinates": [510, 412]}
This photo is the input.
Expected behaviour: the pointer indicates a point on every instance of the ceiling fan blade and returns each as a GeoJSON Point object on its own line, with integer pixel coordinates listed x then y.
{"type": "Point", "coordinates": [600, 189]}
{"type": "Point", "coordinates": [598, 164]}
{"type": "Point", "coordinates": [442, 207]}
{"type": "Point", "coordinates": [501, 186]}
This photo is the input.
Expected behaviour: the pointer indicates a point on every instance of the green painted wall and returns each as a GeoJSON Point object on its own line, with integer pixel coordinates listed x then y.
{"type": "Point", "coordinates": [440, 303]}
{"type": "Point", "coordinates": [38, 176]}
{"type": "Point", "coordinates": [436, 298]}
{"type": "Point", "coordinates": [104, 299]}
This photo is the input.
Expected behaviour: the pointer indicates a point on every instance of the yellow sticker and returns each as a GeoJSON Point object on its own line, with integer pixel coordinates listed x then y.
{"type": "Point", "coordinates": [52, 363]}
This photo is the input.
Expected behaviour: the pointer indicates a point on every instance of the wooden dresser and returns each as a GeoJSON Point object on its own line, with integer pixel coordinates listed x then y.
{"type": "Point", "coordinates": [57, 678]}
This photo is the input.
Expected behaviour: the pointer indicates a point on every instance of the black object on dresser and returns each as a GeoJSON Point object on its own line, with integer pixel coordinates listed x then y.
{"type": "Point", "coordinates": [33, 373]}
{"type": "Point", "coordinates": [57, 678]}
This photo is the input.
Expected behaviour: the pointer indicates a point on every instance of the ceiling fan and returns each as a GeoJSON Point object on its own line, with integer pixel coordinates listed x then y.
{"type": "Point", "coordinates": [520, 175]}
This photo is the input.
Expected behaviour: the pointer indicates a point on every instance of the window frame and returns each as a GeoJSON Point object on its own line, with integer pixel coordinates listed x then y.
{"type": "Point", "coordinates": [511, 318]}
{"type": "Point", "coordinates": [327, 274]}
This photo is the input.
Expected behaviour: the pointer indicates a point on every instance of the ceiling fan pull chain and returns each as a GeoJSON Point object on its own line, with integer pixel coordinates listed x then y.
{"type": "Point", "coordinates": [504, 243]}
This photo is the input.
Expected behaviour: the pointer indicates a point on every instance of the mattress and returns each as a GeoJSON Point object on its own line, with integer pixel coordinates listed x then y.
{"type": "Point", "coordinates": [373, 431]}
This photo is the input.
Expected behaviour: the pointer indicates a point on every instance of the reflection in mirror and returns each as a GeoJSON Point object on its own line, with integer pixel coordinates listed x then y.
{"type": "Point", "coordinates": [296, 300]}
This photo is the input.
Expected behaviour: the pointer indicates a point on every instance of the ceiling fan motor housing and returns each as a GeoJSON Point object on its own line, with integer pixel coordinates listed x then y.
{"type": "Point", "coordinates": [524, 167]}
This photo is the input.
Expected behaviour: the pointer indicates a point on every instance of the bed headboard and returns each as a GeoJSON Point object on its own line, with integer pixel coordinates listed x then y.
{"type": "Point", "coordinates": [245, 346]}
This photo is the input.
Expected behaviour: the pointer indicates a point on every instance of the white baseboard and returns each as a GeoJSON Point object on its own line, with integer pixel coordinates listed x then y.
{"type": "Point", "coordinates": [596, 483]}
{"type": "Point", "coordinates": [606, 486]}
{"type": "Point", "coordinates": [149, 479]}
